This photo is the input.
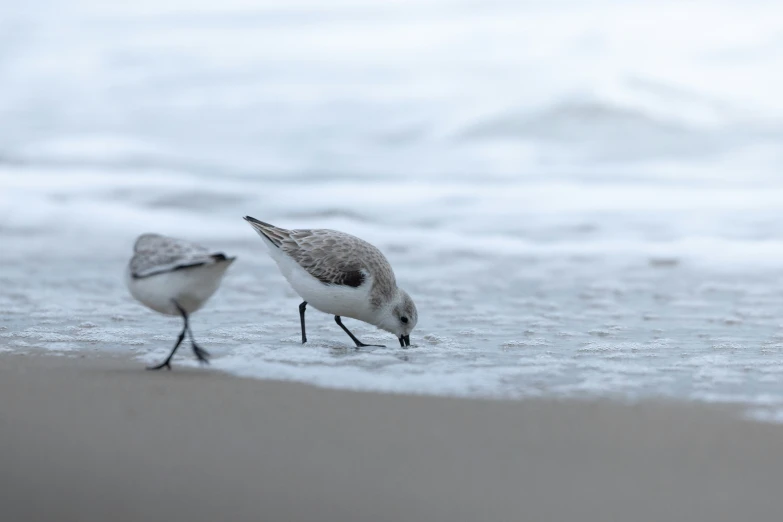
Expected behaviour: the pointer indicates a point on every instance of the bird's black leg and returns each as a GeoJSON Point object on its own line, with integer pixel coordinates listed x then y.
{"type": "Point", "coordinates": [201, 354]}
{"type": "Point", "coordinates": [301, 320]}
{"type": "Point", "coordinates": [359, 344]}
{"type": "Point", "coordinates": [167, 362]}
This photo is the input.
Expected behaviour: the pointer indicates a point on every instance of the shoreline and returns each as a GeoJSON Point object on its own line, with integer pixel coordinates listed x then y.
{"type": "Point", "coordinates": [98, 437]}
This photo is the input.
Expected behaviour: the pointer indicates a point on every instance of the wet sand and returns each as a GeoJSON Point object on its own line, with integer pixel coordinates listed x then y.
{"type": "Point", "coordinates": [97, 438]}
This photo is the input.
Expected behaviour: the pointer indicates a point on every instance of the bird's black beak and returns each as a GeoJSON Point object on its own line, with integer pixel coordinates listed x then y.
{"type": "Point", "coordinates": [405, 341]}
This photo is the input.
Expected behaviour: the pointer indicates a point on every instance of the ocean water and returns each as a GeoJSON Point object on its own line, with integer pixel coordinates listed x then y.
{"type": "Point", "coordinates": [583, 198]}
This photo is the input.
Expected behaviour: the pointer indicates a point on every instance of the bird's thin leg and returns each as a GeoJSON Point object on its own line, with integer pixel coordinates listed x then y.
{"type": "Point", "coordinates": [359, 344]}
{"type": "Point", "coordinates": [167, 363]}
{"type": "Point", "coordinates": [301, 320]}
{"type": "Point", "coordinates": [201, 354]}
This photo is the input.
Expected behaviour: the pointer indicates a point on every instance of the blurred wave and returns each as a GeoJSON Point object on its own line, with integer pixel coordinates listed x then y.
{"type": "Point", "coordinates": [435, 88]}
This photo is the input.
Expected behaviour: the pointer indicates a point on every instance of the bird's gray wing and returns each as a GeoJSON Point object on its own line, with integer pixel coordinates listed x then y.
{"type": "Point", "coordinates": [332, 257]}
{"type": "Point", "coordinates": [155, 254]}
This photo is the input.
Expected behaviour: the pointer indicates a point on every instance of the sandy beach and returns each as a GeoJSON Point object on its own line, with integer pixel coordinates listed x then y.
{"type": "Point", "coordinates": [97, 438]}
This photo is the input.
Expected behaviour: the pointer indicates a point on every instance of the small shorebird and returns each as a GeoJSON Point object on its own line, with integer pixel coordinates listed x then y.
{"type": "Point", "coordinates": [342, 275]}
{"type": "Point", "coordinates": [175, 277]}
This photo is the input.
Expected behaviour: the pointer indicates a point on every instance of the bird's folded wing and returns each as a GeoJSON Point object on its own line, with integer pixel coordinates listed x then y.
{"type": "Point", "coordinates": [158, 254]}
{"type": "Point", "coordinates": [331, 257]}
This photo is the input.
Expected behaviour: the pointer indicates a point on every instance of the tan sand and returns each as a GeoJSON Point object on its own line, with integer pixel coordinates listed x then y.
{"type": "Point", "coordinates": [100, 439]}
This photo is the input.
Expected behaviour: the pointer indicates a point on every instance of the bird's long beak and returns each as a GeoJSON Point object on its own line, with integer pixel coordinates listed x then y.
{"type": "Point", "coordinates": [405, 341]}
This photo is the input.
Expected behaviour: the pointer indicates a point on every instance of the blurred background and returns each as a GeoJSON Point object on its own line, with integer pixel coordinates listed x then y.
{"type": "Point", "coordinates": [582, 197]}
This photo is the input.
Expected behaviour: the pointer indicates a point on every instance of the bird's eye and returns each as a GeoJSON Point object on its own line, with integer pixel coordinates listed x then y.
{"type": "Point", "coordinates": [404, 319]}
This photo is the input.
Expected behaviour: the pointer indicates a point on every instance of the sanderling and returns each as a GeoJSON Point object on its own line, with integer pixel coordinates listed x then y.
{"type": "Point", "coordinates": [342, 275]}
{"type": "Point", "coordinates": [175, 277]}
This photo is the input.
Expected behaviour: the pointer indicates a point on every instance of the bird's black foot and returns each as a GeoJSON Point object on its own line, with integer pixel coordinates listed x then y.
{"type": "Point", "coordinates": [165, 364]}
{"type": "Point", "coordinates": [201, 354]}
{"type": "Point", "coordinates": [360, 344]}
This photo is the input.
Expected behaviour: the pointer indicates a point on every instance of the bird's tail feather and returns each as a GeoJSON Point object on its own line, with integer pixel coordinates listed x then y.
{"type": "Point", "coordinates": [274, 234]}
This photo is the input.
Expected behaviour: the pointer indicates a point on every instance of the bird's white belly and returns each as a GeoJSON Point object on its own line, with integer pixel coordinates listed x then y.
{"type": "Point", "coordinates": [190, 288]}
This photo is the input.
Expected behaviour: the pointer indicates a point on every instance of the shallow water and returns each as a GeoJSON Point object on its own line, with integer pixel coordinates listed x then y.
{"type": "Point", "coordinates": [578, 206]}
